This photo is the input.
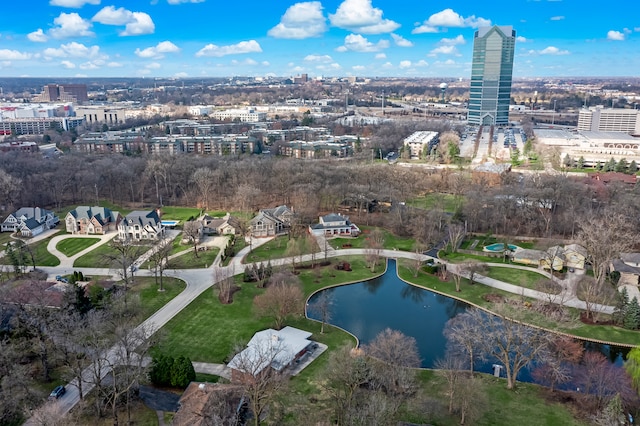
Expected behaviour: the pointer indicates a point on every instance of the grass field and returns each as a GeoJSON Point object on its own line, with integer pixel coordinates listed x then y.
{"type": "Point", "coordinates": [151, 298]}
{"type": "Point", "coordinates": [520, 277]}
{"type": "Point", "coordinates": [179, 213]}
{"type": "Point", "coordinates": [188, 259]}
{"type": "Point", "coordinates": [445, 202]}
{"type": "Point", "coordinates": [97, 258]}
{"type": "Point", "coordinates": [275, 249]}
{"type": "Point", "coordinates": [391, 241]}
{"type": "Point", "coordinates": [40, 253]}
{"type": "Point", "coordinates": [71, 246]}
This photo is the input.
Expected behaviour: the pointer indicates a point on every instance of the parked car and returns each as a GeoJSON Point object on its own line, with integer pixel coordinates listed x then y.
{"type": "Point", "coordinates": [57, 392]}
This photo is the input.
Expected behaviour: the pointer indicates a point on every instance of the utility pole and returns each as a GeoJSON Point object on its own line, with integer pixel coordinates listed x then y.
{"type": "Point", "coordinates": [95, 185]}
{"type": "Point", "coordinates": [553, 117]}
{"type": "Point", "coordinates": [383, 102]}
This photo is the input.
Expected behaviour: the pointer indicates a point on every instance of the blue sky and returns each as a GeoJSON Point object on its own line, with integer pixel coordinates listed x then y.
{"type": "Point", "coordinates": [212, 38]}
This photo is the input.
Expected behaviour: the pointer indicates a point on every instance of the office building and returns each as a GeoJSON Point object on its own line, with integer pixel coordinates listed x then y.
{"type": "Point", "coordinates": [63, 93]}
{"type": "Point", "coordinates": [491, 74]}
{"type": "Point", "coordinates": [601, 119]}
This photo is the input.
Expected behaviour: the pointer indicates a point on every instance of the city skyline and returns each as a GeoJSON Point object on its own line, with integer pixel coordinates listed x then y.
{"type": "Point", "coordinates": [379, 38]}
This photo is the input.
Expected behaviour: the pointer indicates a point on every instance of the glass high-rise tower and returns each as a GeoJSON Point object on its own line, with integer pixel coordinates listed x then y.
{"type": "Point", "coordinates": [491, 74]}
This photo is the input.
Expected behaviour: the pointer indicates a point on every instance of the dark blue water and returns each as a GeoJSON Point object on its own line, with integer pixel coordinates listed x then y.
{"type": "Point", "coordinates": [367, 308]}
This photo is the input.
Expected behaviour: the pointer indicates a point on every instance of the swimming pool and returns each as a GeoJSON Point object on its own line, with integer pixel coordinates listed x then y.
{"type": "Point", "coordinates": [169, 223]}
{"type": "Point", "coordinates": [498, 247]}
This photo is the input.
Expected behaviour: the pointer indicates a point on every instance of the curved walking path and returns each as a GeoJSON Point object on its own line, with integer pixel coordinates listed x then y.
{"type": "Point", "coordinates": [67, 261]}
{"type": "Point", "coordinates": [199, 280]}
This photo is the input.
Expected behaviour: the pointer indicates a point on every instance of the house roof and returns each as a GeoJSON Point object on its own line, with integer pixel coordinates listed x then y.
{"type": "Point", "coordinates": [334, 217]}
{"type": "Point", "coordinates": [32, 212]}
{"type": "Point", "coordinates": [577, 248]}
{"type": "Point", "coordinates": [101, 214]}
{"type": "Point", "coordinates": [630, 257]}
{"type": "Point", "coordinates": [275, 347]}
{"type": "Point", "coordinates": [278, 211]}
{"type": "Point", "coordinates": [620, 266]}
{"type": "Point", "coordinates": [32, 224]}
{"type": "Point", "coordinates": [143, 218]}
{"type": "Point", "coordinates": [195, 400]}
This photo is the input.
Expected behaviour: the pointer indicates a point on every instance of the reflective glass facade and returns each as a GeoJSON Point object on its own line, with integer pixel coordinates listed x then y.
{"type": "Point", "coordinates": [491, 73]}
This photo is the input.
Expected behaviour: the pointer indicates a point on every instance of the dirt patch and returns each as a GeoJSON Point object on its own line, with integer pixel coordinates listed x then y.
{"type": "Point", "coordinates": [494, 298]}
{"type": "Point", "coordinates": [586, 319]}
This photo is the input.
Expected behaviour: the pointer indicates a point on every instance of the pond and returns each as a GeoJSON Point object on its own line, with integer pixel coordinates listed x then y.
{"type": "Point", "coordinates": [366, 308]}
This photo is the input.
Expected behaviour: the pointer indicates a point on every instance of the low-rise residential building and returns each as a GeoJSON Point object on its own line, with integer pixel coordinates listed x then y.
{"type": "Point", "coordinates": [29, 221]}
{"type": "Point", "coordinates": [92, 220]}
{"type": "Point", "coordinates": [247, 115]}
{"type": "Point", "coordinates": [334, 225]}
{"type": "Point", "coordinates": [274, 349]}
{"type": "Point", "coordinates": [271, 222]}
{"type": "Point", "coordinates": [19, 146]}
{"type": "Point", "coordinates": [202, 402]}
{"type": "Point", "coordinates": [418, 141]}
{"type": "Point", "coordinates": [628, 266]}
{"type": "Point", "coordinates": [141, 225]}
{"type": "Point", "coordinates": [226, 225]}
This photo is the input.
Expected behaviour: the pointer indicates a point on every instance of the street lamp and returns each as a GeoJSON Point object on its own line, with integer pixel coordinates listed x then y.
{"type": "Point", "coordinates": [553, 117]}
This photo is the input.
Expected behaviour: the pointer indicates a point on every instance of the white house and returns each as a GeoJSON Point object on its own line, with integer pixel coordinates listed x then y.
{"type": "Point", "coordinates": [335, 225]}
{"type": "Point", "coordinates": [30, 221]}
{"type": "Point", "coordinates": [141, 225]}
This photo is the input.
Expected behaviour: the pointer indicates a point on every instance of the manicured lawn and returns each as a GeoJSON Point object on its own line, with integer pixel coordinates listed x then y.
{"type": "Point", "coordinates": [391, 241]}
{"type": "Point", "coordinates": [189, 261]}
{"type": "Point", "coordinates": [152, 299]}
{"type": "Point", "coordinates": [519, 277]}
{"type": "Point", "coordinates": [275, 249]}
{"type": "Point", "coordinates": [239, 244]}
{"type": "Point", "coordinates": [463, 257]}
{"type": "Point", "coordinates": [445, 202]}
{"type": "Point", "coordinates": [71, 246]}
{"type": "Point", "coordinates": [177, 245]}
{"type": "Point", "coordinates": [97, 258]}
{"type": "Point", "coordinates": [179, 213]}
{"type": "Point", "coordinates": [40, 253]}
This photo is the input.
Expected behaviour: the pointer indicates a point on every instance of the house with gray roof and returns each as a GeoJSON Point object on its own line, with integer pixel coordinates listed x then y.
{"type": "Point", "coordinates": [334, 225]}
{"type": "Point", "coordinates": [141, 225]}
{"type": "Point", "coordinates": [628, 265]}
{"type": "Point", "coordinates": [30, 221]}
{"type": "Point", "coordinates": [271, 222]}
{"type": "Point", "coordinates": [86, 220]}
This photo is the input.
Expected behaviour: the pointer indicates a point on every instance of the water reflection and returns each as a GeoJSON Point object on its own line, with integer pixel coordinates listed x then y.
{"type": "Point", "coordinates": [367, 308]}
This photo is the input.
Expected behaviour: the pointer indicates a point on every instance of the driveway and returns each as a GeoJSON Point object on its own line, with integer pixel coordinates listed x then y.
{"type": "Point", "coordinates": [67, 261]}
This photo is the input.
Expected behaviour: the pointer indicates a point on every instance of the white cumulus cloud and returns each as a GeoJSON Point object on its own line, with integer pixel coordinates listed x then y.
{"type": "Point", "coordinates": [521, 39]}
{"type": "Point", "coordinates": [38, 36]}
{"type": "Point", "coordinates": [362, 17]}
{"type": "Point", "coordinates": [448, 18]}
{"type": "Point", "coordinates": [136, 23]}
{"type": "Point", "coordinates": [444, 50]}
{"type": "Point", "coordinates": [358, 43]}
{"type": "Point", "coordinates": [68, 65]}
{"type": "Point", "coordinates": [250, 46]}
{"type": "Point", "coordinates": [76, 4]}
{"type": "Point", "coordinates": [70, 25]}
{"type": "Point", "coordinates": [405, 64]}
{"type": "Point", "coordinates": [453, 41]}
{"type": "Point", "coordinates": [153, 66]}
{"type": "Point", "coordinates": [615, 35]}
{"type": "Point", "coordinates": [318, 58]}
{"type": "Point", "coordinates": [301, 20]}
{"type": "Point", "coordinates": [73, 50]}
{"type": "Point", "coordinates": [557, 18]}
{"type": "Point", "coordinates": [549, 50]}
{"type": "Point", "coordinates": [381, 56]}
{"type": "Point", "coordinates": [401, 41]}
{"type": "Point", "coordinates": [158, 51]}
{"type": "Point", "coordinates": [13, 55]}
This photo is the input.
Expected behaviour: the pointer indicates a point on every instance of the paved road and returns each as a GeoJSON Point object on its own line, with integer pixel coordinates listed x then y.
{"type": "Point", "coordinates": [199, 280]}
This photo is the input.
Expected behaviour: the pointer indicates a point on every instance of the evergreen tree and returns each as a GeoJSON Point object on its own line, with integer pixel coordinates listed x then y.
{"type": "Point", "coordinates": [633, 167]}
{"type": "Point", "coordinates": [621, 167]}
{"type": "Point", "coordinates": [246, 277]}
{"type": "Point", "coordinates": [567, 161]}
{"type": "Point", "coordinates": [580, 162]}
{"type": "Point", "coordinates": [161, 368]}
{"type": "Point", "coordinates": [610, 165]}
{"type": "Point", "coordinates": [622, 302]}
{"type": "Point", "coordinates": [632, 315]}
{"type": "Point", "coordinates": [182, 372]}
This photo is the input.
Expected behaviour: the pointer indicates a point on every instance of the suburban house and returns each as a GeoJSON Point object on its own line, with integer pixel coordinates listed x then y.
{"type": "Point", "coordinates": [334, 225]}
{"type": "Point", "coordinates": [29, 221]}
{"type": "Point", "coordinates": [203, 403]}
{"type": "Point", "coordinates": [575, 256]}
{"type": "Point", "coordinates": [569, 256]}
{"type": "Point", "coordinates": [629, 268]}
{"type": "Point", "coordinates": [141, 225]}
{"type": "Point", "coordinates": [271, 222]}
{"type": "Point", "coordinates": [226, 225]}
{"type": "Point", "coordinates": [275, 349]}
{"type": "Point", "coordinates": [92, 220]}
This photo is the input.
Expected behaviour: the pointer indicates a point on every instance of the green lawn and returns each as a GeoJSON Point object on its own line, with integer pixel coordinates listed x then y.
{"type": "Point", "coordinates": [152, 299]}
{"type": "Point", "coordinates": [436, 200]}
{"type": "Point", "coordinates": [97, 258]}
{"type": "Point", "coordinates": [40, 253]}
{"type": "Point", "coordinates": [179, 213]}
{"type": "Point", "coordinates": [274, 249]}
{"type": "Point", "coordinates": [463, 257]}
{"type": "Point", "coordinates": [391, 241]}
{"type": "Point", "coordinates": [519, 277]}
{"type": "Point", "coordinates": [71, 246]}
{"type": "Point", "coordinates": [189, 261]}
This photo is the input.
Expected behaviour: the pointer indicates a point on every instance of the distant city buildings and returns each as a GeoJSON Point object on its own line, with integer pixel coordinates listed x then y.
{"type": "Point", "coordinates": [246, 115]}
{"type": "Point", "coordinates": [63, 93]}
{"type": "Point", "coordinates": [601, 119]}
{"type": "Point", "coordinates": [491, 74]}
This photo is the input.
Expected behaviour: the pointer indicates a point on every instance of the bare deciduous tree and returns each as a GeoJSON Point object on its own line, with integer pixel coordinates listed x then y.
{"type": "Point", "coordinates": [192, 232]}
{"type": "Point", "coordinates": [282, 298]}
{"type": "Point", "coordinates": [159, 260]}
{"type": "Point", "coordinates": [374, 244]}
{"type": "Point", "coordinates": [322, 307]}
